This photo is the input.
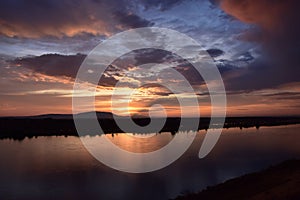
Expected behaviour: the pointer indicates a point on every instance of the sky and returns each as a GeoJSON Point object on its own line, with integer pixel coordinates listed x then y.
{"type": "Point", "coordinates": [254, 43]}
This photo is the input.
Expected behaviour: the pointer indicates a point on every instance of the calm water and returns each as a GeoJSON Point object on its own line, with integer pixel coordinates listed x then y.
{"type": "Point", "coordinates": [60, 167]}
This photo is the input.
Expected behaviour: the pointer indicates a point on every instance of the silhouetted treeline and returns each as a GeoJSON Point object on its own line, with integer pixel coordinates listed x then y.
{"type": "Point", "coordinates": [19, 128]}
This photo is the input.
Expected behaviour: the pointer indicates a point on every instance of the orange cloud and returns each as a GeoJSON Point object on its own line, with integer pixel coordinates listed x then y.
{"type": "Point", "coordinates": [265, 13]}
{"type": "Point", "coordinates": [27, 31]}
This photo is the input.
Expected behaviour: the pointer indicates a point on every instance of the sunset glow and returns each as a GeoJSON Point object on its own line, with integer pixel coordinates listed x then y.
{"type": "Point", "coordinates": [255, 56]}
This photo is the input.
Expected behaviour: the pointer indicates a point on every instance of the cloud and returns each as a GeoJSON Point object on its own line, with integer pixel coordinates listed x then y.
{"type": "Point", "coordinates": [234, 39]}
{"type": "Point", "coordinates": [265, 13]}
{"type": "Point", "coordinates": [215, 52]}
{"type": "Point", "coordinates": [68, 65]}
{"type": "Point", "coordinates": [52, 64]}
{"type": "Point", "coordinates": [53, 18]}
{"type": "Point", "coordinates": [284, 95]}
{"type": "Point", "coordinates": [123, 69]}
{"type": "Point", "coordinates": [161, 5]}
{"type": "Point", "coordinates": [204, 22]}
{"type": "Point", "coordinates": [66, 27]}
{"type": "Point", "coordinates": [277, 30]}
{"type": "Point", "coordinates": [130, 20]}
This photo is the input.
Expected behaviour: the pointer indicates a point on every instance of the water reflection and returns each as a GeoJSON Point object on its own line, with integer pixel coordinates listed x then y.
{"type": "Point", "coordinates": [141, 143]}
{"type": "Point", "coordinates": [60, 167]}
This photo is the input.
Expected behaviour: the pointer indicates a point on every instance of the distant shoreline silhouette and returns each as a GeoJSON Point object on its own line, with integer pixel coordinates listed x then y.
{"type": "Point", "coordinates": [63, 125]}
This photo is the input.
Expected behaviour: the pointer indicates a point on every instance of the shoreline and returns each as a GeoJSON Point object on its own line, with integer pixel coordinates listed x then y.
{"type": "Point", "coordinates": [18, 129]}
{"type": "Point", "coordinates": [280, 181]}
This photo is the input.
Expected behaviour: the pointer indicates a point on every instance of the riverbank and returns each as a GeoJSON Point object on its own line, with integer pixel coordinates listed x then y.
{"type": "Point", "coordinates": [276, 182]}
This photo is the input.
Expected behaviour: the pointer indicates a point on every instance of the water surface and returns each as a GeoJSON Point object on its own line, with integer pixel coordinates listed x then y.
{"type": "Point", "coordinates": [60, 167]}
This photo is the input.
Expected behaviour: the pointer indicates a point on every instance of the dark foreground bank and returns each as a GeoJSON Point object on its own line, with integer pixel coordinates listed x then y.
{"type": "Point", "coordinates": [277, 182]}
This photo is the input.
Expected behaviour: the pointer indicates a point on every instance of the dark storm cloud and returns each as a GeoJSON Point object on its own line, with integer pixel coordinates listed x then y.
{"type": "Point", "coordinates": [58, 18]}
{"type": "Point", "coordinates": [52, 64]}
{"type": "Point", "coordinates": [215, 52]}
{"type": "Point", "coordinates": [60, 65]}
{"type": "Point", "coordinates": [149, 55]}
{"type": "Point", "coordinates": [131, 20]}
{"type": "Point", "coordinates": [277, 30]}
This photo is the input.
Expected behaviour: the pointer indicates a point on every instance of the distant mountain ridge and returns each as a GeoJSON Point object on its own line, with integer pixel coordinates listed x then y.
{"type": "Point", "coordinates": [84, 115]}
